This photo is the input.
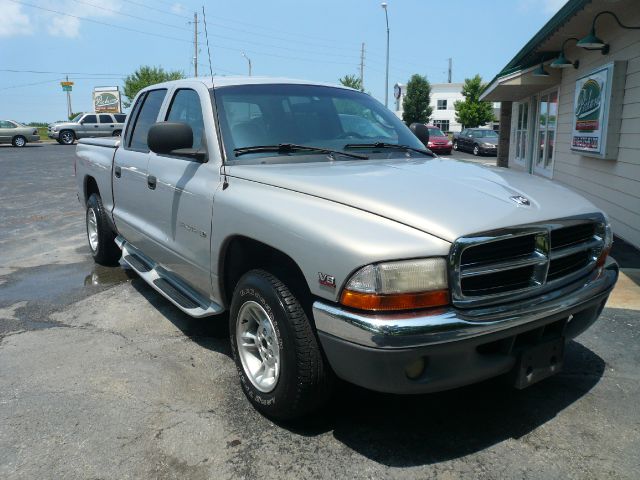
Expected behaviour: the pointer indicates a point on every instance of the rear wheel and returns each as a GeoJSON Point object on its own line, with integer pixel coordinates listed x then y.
{"type": "Point", "coordinates": [99, 234]}
{"type": "Point", "coordinates": [19, 141]}
{"type": "Point", "coordinates": [67, 137]}
{"type": "Point", "coordinates": [277, 354]}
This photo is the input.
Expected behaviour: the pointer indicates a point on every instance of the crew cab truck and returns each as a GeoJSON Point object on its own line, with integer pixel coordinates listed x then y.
{"type": "Point", "coordinates": [340, 247]}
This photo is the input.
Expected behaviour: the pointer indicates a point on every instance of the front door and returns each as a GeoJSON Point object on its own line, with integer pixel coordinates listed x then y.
{"type": "Point", "coordinates": [183, 199]}
{"type": "Point", "coordinates": [131, 189]}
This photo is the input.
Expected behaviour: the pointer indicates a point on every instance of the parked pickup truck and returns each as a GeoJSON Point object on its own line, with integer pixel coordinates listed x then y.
{"type": "Point", "coordinates": [341, 248]}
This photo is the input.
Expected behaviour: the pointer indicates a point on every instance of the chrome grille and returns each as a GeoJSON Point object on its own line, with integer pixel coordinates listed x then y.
{"type": "Point", "coordinates": [516, 262]}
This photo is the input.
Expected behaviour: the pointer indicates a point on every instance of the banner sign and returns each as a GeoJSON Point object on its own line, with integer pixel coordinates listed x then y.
{"type": "Point", "coordinates": [66, 86]}
{"type": "Point", "coordinates": [590, 111]}
{"type": "Point", "coordinates": [106, 100]}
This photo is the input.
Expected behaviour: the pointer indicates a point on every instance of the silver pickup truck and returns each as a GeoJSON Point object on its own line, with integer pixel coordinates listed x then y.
{"type": "Point", "coordinates": [337, 245]}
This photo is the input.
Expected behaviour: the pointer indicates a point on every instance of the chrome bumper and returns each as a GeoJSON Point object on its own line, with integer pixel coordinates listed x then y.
{"type": "Point", "coordinates": [416, 329]}
{"type": "Point", "coordinates": [53, 134]}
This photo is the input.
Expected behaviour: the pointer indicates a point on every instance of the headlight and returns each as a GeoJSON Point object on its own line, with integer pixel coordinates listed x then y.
{"type": "Point", "coordinates": [403, 285]}
{"type": "Point", "coordinates": [485, 144]}
{"type": "Point", "coordinates": [604, 231]}
{"type": "Point", "coordinates": [54, 129]}
{"type": "Point", "coordinates": [449, 143]}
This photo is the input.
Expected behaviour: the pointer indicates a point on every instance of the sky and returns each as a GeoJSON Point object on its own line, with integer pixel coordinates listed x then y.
{"type": "Point", "coordinates": [100, 42]}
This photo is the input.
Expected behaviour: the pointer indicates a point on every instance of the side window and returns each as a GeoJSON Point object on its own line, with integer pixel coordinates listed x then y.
{"type": "Point", "coordinates": [463, 132]}
{"type": "Point", "coordinates": [120, 118]}
{"type": "Point", "coordinates": [105, 119]}
{"type": "Point", "coordinates": [185, 108]}
{"type": "Point", "coordinates": [90, 119]}
{"type": "Point", "coordinates": [5, 124]}
{"type": "Point", "coordinates": [148, 116]}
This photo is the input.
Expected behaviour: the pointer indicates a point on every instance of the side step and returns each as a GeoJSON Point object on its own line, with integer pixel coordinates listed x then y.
{"type": "Point", "coordinates": [160, 280]}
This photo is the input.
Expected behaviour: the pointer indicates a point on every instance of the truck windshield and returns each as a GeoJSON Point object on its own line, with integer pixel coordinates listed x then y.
{"type": "Point", "coordinates": [76, 119]}
{"type": "Point", "coordinates": [310, 115]}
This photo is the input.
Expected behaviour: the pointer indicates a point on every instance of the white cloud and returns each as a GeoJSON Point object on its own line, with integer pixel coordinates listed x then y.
{"type": "Point", "coordinates": [177, 8]}
{"type": "Point", "coordinates": [61, 26]}
{"type": "Point", "coordinates": [13, 21]}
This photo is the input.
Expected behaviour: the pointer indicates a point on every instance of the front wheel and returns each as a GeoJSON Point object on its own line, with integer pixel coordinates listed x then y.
{"type": "Point", "coordinates": [67, 137]}
{"type": "Point", "coordinates": [19, 141]}
{"type": "Point", "coordinates": [116, 133]}
{"type": "Point", "coordinates": [277, 354]}
{"type": "Point", "coordinates": [455, 146]}
{"type": "Point", "coordinates": [99, 235]}
{"type": "Point", "coordinates": [476, 150]}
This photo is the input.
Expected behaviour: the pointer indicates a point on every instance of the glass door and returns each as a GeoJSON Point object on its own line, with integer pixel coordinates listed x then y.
{"type": "Point", "coordinates": [546, 134]}
{"type": "Point", "coordinates": [521, 133]}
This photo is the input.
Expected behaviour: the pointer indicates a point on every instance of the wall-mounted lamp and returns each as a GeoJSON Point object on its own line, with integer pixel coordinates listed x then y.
{"type": "Point", "coordinates": [540, 71]}
{"type": "Point", "coordinates": [561, 61]}
{"type": "Point", "coordinates": [592, 42]}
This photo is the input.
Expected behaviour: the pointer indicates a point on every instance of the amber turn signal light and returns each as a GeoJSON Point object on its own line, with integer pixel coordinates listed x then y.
{"type": "Point", "coordinates": [394, 302]}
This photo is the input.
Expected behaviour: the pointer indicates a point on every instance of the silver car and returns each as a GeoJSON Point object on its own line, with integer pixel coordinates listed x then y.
{"type": "Point", "coordinates": [86, 125]}
{"type": "Point", "coordinates": [17, 134]}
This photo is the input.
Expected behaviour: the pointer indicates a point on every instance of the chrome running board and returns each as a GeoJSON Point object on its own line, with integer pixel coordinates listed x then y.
{"type": "Point", "coordinates": [166, 284]}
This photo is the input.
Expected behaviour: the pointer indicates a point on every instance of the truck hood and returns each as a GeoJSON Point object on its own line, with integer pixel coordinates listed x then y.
{"type": "Point", "coordinates": [443, 197]}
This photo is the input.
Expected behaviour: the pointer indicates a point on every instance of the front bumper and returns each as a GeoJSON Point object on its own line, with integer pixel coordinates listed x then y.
{"type": "Point", "coordinates": [52, 134]}
{"type": "Point", "coordinates": [458, 346]}
{"type": "Point", "coordinates": [489, 150]}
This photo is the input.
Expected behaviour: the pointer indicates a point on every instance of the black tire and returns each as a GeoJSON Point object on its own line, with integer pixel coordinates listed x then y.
{"type": "Point", "coordinates": [67, 137]}
{"type": "Point", "coordinates": [106, 252]}
{"type": "Point", "coordinates": [455, 146]}
{"type": "Point", "coordinates": [18, 141]}
{"type": "Point", "coordinates": [116, 133]}
{"type": "Point", "coordinates": [305, 380]}
{"type": "Point", "coordinates": [59, 141]}
{"type": "Point", "coordinates": [476, 150]}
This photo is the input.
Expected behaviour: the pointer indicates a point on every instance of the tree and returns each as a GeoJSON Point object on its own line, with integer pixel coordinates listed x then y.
{"type": "Point", "coordinates": [416, 101]}
{"type": "Point", "coordinates": [352, 81]}
{"type": "Point", "coordinates": [472, 112]}
{"type": "Point", "coordinates": [145, 76]}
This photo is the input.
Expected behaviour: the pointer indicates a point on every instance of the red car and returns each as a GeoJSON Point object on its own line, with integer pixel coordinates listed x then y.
{"type": "Point", "coordinates": [438, 141]}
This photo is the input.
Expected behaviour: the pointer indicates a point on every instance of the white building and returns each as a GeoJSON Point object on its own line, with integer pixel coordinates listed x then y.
{"type": "Point", "coordinates": [571, 107]}
{"type": "Point", "coordinates": [443, 97]}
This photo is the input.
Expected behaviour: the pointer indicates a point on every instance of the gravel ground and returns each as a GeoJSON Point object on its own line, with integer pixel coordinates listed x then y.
{"type": "Point", "coordinates": [100, 378]}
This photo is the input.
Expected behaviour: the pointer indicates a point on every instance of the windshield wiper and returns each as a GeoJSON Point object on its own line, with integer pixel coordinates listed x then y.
{"type": "Point", "coordinates": [292, 147]}
{"type": "Point", "coordinates": [389, 145]}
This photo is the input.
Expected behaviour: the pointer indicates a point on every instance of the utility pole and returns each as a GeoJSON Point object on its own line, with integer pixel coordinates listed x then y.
{"type": "Point", "coordinates": [386, 83]}
{"type": "Point", "coordinates": [195, 43]}
{"type": "Point", "coordinates": [248, 60]}
{"type": "Point", "coordinates": [362, 67]}
{"type": "Point", "coordinates": [69, 111]}
{"type": "Point", "coordinates": [449, 77]}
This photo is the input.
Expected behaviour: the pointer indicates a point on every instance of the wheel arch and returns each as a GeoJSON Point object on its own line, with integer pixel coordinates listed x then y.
{"type": "Point", "coordinates": [240, 254]}
{"type": "Point", "coordinates": [90, 186]}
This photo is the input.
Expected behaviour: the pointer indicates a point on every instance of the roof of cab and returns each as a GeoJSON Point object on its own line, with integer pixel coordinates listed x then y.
{"type": "Point", "coordinates": [229, 81]}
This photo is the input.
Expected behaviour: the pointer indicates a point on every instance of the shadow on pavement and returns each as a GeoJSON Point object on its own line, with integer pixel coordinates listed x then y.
{"type": "Point", "coordinates": [403, 431]}
{"type": "Point", "coordinates": [209, 332]}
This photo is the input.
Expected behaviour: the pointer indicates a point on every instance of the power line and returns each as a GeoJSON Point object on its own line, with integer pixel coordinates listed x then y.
{"type": "Point", "coordinates": [118, 12]}
{"type": "Point", "coordinates": [13, 70]}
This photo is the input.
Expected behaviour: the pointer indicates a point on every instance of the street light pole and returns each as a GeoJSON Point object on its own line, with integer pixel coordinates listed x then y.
{"type": "Point", "coordinates": [248, 60]}
{"type": "Point", "coordinates": [386, 84]}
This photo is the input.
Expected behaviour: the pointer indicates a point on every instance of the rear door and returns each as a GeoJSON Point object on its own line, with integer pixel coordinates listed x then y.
{"type": "Point", "coordinates": [131, 192]}
{"type": "Point", "coordinates": [107, 125]}
{"type": "Point", "coordinates": [182, 202]}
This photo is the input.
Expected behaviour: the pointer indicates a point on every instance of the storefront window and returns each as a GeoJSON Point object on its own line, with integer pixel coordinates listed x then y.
{"type": "Point", "coordinates": [521, 132]}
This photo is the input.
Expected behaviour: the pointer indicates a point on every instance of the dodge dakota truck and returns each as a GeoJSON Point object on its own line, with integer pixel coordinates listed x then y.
{"type": "Point", "coordinates": [316, 223]}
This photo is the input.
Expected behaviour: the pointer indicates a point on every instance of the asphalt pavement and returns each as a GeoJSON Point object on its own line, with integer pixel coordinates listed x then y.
{"type": "Point", "coordinates": [101, 378]}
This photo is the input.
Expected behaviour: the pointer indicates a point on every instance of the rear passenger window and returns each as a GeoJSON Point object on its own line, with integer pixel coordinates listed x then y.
{"type": "Point", "coordinates": [106, 119]}
{"type": "Point", "coordinates": [185, 108]}
{"type": "Point", "coordinates": [120, 118]}
{"type": "Point", "coordinates": [148, 116]}
{"type": "Point", "coordinates": [90, 119]}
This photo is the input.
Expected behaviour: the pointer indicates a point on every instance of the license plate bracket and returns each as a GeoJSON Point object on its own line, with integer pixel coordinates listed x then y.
{"type": "Point", "coordinates": [539, 361]}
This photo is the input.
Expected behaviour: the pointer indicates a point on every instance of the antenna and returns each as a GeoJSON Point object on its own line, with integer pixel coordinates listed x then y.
{"type": "Point", "coordinates": [225, 181]}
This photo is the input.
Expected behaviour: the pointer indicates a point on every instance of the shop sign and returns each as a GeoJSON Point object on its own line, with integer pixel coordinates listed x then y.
{"type": "Point", "coordinates": [106, 100]}
{"type": "Point", "coordinates": [590, 111]}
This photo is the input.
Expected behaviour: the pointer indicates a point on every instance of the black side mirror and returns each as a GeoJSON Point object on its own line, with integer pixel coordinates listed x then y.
{"type": "Point", "coordinates": [421, 131]}
{"type": "Point", "coordinates": [173, 138]}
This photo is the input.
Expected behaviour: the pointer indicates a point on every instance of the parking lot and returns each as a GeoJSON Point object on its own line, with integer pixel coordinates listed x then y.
{"type": "Point", "coordinates": [101, 378]}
